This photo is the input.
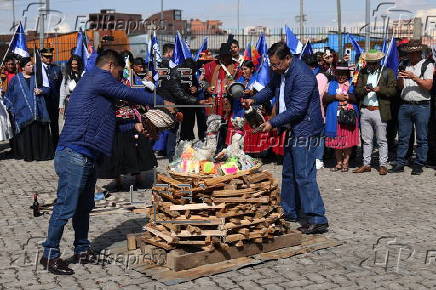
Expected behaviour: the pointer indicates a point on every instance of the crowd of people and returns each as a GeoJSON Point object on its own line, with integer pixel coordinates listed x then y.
{"type": "Point", "coordinates": [315, 98]}
{"type": "Point", "coordinates": [356, 107]}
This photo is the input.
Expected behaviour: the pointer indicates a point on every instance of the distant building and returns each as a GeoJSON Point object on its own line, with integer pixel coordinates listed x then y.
{"type": "Point", "coordinates": [407, 28]}
{"type": "Point", "coordinates": [208, 26]}
{"type": "Point", "coordinates": [256, 30]}
{"type": "Point", "coordinates": [172, 21]}
{"type": "Point", "coordinates": [109, 19]}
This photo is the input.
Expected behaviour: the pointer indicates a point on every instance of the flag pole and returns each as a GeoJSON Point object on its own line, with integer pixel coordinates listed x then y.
{"type": "Point", "coordinates": [385, 59]}
{"type": "Point", "coordinates": [10, 42]}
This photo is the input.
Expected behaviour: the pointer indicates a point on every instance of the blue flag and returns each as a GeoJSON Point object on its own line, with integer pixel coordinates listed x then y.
{"type": "Point", "coordinates": [359, 50]}
{"type": "Point", "coordinates": [82, 47]}
{"type": "Point", "coordinates": [307, 49]}
{"type": "Point", "coordinates": [384, 46]}
{"type": "Point", "coordinates": [202, 48]}
{"type": "Point", "coordinates": [181, 50]}
{"type": "Point", "coordinates": [261, 45]}
{"type": "Point", "coordinates": [392, 58]}
{"type": "Point", "coordinates": [263, 76]}
{"type": "Point", "coordinates": [91, 61]}
{"type": "Point", "coordinates": [153, 56]}
{"type": "Point", "coordinates": [18, 43]}
{"type": "Point", "coordinates": [292, 41]}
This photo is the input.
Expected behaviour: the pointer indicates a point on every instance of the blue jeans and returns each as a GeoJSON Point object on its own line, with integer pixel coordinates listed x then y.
{"type": "Point", "coordinates": [409, 115]}
{"type": "Point", "coordinates": [319, 152]}
{"type": "Point", "coordinates": [75, 199]}
{"type": "Point", "coordinates": [300, 196]}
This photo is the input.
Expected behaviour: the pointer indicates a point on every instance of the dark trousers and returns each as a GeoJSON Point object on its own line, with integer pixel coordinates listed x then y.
{"type": "Point", "coordinates": [54, 126]}
{"type": "Point", "coordinates": [188, 123]}
{"type": "Point", "coordinates": [392, 127]}
{"type": "Point", "coordinates": [392, 131]}
{"type": "Point", "coordinates": [53, 113]}
{"type": "Point", "coordinates": [75, 199]}
{"type": "Point", "coordinates": [300, 195]}
{"type": "Point", "coordinates": [409, 116]}
{"type": "Point", "coordinates": [172, 142]}
{"type": "Point", "coordinates": [187, 127]}
{"type": "Point", "coordinates": [201, 122]}
{"type": "Point", "coordinates": [431, 156]}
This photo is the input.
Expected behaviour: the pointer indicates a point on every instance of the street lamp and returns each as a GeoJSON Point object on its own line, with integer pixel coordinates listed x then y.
{"type": "Point", "coordinates": [238, 17]}
{"type": "Point", "coordinates": [338, 8]}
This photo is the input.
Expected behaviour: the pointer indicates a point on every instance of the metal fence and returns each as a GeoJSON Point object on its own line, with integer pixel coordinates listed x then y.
{"type": "Point", "coordinates": [320, 37]}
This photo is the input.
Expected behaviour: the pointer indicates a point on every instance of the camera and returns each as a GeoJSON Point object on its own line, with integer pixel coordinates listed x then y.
{"type": "Point", "coordinates": [403, 64]}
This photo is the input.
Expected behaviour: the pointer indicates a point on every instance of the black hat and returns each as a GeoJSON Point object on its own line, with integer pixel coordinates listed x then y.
{"type": "Point", "coordinates": [47, 51]}
{"type": "Point", "coordinates": [414, 45]}
{"type": "Point", "coordinates": [225, 49]}
{"type": "Point", "coordinates": [138, 61]}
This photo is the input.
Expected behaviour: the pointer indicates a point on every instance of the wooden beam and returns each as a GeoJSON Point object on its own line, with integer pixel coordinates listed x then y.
{"type": "Point", "coordinates": [264, 199]}
{"type": "Point", "coordinates": [164, 235]}
{"type": "Point", "coordinates": [237, 192]}
{"type": "Point", "coordinates": [202, 233]}
{"type": "Point", "coordinates": [195, 206]}
{"type": "Point", "coordinates": [178, 262]}
{"type": "Point", "coordinates": [155, 242]}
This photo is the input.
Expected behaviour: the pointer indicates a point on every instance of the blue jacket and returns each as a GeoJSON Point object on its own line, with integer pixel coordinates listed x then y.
{"type": "Point", "coordinates": [91, 112]}
{"type": "Point", "coordinates": [303, 108]}
{"type": "Point", "coordinates": [23, 104]}
{"type": "Point", "coordinates": [54, 75]}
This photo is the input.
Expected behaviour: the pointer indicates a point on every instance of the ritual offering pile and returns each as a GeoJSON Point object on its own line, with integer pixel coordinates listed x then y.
{"type": "Point", "coordinates": [197, 157]}
{"type": "Point", "coordinates": [224, 210]}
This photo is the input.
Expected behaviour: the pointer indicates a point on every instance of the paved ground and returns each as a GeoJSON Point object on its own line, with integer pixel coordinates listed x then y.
{"type": "Point", "coordinates": [386, 224]}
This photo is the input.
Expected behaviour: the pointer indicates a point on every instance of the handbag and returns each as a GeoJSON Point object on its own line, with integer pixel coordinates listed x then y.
{"type": "Point", "coordinates": [347, 117]}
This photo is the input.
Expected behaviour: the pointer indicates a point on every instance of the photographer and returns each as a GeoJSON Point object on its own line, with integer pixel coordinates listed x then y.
{"type": "Point", "coordinates": [375, 87]}
{"type": "Point", "coordinates": [416, 81]}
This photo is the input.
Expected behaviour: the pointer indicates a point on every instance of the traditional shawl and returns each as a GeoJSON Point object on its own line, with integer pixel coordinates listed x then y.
{"type": "Point", "coordinates": [23, 104]}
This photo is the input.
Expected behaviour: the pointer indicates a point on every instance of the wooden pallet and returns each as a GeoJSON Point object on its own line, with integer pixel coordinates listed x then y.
{"type": "Point", "coordinates": [164, 274]}
{"type": "Point", "coordinates": [179, 259]}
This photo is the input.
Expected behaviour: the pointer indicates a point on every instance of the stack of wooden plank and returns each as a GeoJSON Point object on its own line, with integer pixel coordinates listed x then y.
{"type": "Point", "coordinates": [215, 212]}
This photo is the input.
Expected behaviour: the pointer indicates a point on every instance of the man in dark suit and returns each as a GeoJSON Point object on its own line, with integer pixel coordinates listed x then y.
{"type": "Point", "coordinates": [296, 90]}
{"type": "Point", "coordinates": [52, 78]}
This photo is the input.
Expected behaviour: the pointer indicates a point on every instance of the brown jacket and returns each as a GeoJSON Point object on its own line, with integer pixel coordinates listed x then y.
{"type": "Point", "coordinates": [387, 91]}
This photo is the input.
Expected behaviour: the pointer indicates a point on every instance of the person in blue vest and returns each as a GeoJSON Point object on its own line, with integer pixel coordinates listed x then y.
{"type": "Point", "coordinates": [299, 112]}
{"type": "Point", "coordinates": [52, 78]}
{"type": "Point", "coordinates": [87, 136]}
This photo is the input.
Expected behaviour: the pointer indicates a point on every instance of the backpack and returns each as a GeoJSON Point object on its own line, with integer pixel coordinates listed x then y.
{"type": "Point", "coordinates": [424, 66]}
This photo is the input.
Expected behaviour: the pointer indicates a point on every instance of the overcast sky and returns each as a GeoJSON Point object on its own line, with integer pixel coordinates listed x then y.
{"type": "Point", "coordinates": [272, 13]}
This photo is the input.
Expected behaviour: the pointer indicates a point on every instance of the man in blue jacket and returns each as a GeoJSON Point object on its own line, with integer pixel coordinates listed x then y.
{"type": "Point", "coordinates": [87, 134]}
{"type": "Point", "coordinates": [299, 111]}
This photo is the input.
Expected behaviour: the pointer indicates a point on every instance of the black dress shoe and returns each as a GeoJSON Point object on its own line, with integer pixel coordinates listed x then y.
{"type": "Point", "coordinates": [313, 229]}
{"type": "Point", "coordinates": [417, 170]}
{"type": "Point", "coordinates": [396, 169]}
{"type": "Point", "coordinates": [88, 257]}
{"type": "Point", "coordinates": [56, 266]}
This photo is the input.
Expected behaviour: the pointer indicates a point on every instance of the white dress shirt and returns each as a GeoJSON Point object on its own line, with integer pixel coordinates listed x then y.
{"type": "Point", "coordinates": [282, 104]}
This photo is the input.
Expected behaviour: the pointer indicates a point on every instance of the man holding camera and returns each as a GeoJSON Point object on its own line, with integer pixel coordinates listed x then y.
{"type": "Point", "coordinates": [416, 81]}
{"type": "Point", "coordinates": [375, 87]}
